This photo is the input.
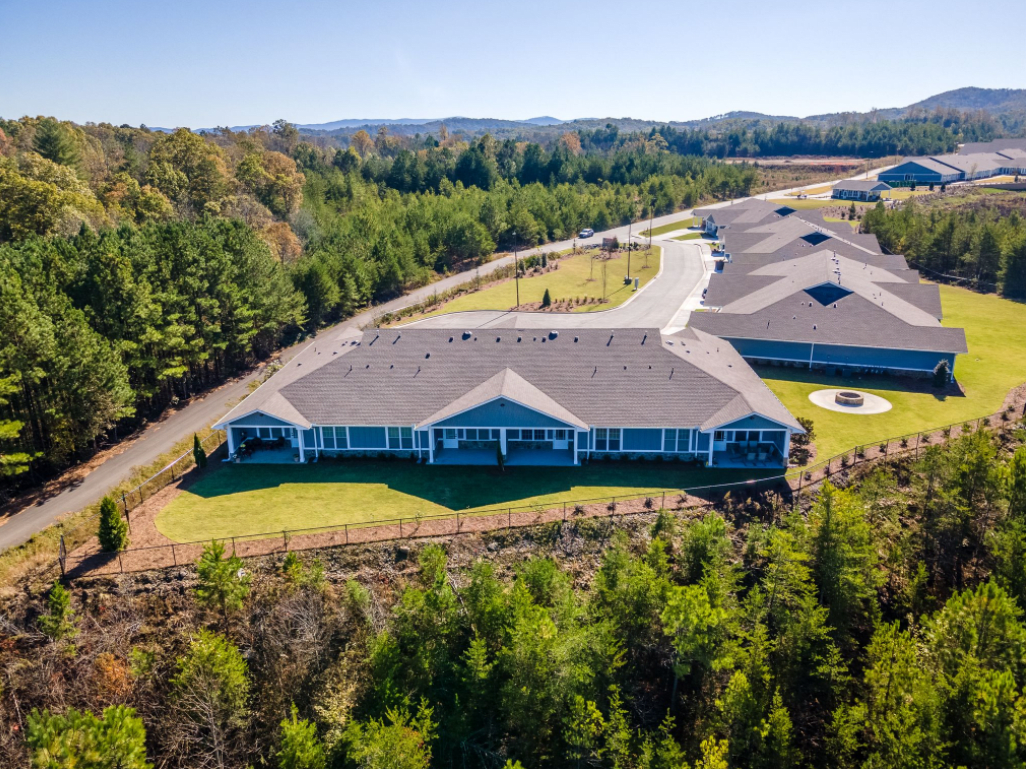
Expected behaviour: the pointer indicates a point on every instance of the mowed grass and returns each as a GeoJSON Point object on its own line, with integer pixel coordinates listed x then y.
{"type": "Point", "coordinates": [689, 236]}
{"type": "Point", "coordinates": [996, 363]}
{"type": "Point", "coordinates": [682, 224]}
{"type": "Point", "coordinates": [811, 190]}
{"type": "Point", "coordinates": [822, 203]}
{"type": "Point", "coordinates": [577, 277]}
{"type": "Point", "coordinates": [248, 499]}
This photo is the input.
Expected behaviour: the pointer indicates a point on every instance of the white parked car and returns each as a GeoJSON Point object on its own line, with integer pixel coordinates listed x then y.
{"type": "Point", "coordinates": [587, 232]}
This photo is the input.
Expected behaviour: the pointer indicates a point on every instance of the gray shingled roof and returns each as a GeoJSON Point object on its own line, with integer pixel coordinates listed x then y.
{"type": "Point", "coordinates": [620, 377]}
{"type": "Point", "coordinates": [997, 145]}
{"type": "Point", "coordinates": [880, 310]}
{"type": "Point", "coordinates": [862, 185]}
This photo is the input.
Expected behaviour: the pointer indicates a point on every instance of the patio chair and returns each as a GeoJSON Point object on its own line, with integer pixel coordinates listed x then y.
{"type": "Point", "coordinates": [750, 457]}
{"type": "Point", "coordinates": [763, 456]}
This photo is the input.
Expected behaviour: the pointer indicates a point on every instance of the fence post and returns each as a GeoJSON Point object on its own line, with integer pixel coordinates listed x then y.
{"type": "Point", "coordinates": [285, 539]}
{"type": "Point", "coordinates": [457, 523]}
{"type": "Point", "coordinates": [347, 533]}
{"type": "Point", "coordinates": [172, 472]}
{"type": "Point", "coordinates": [400, 528]}
{"type": "Point", "coordinates": [128, 520]}
{"type": "Point", "coordinates": [120, 564]}
{"type": "Point", "coordinates": [917, 444]}
{"type": "Point", "coordinates": [662, 505]}
{"type": "Point", "coordinates": [509, 519]}
{"type": "Point", "coordinates": [564, 510]}
{"type": "Point", "coordinates": [124, 501]}
{"type": "Point", "coordinates": [173, 556]}
{"type": "Point", "coordinates": [233, 545]}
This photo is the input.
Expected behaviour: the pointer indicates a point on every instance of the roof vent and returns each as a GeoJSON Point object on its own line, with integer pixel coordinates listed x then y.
{"type": "Point", "coordinates": [519, 338]}
{"type": "Point", "coordinates": [813, 326]}
{"type": "Point", "coordinates": [467, 335]}
{"type": "Point", "coordinates": [428, 355]}
{"type": "Point", "coordinates": [450, 339]}
{"type": "Point", "coordinates": [575, 339]}
{"type": "Point", "coordinates": [553, 334]}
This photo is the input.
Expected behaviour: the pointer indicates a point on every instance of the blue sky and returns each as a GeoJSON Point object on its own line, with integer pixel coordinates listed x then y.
{"type": "Point", "coordinates": [231, 63]}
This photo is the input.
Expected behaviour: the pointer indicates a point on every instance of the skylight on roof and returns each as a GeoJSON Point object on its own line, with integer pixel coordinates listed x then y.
{"type": "Point", "coordinates": [827, 293]}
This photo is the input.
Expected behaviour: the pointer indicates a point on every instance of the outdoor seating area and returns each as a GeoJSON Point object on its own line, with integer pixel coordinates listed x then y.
{"type": "Point", "coordinates": [254, 444]}
{"type": "Point", "coordinates": [749, 455]}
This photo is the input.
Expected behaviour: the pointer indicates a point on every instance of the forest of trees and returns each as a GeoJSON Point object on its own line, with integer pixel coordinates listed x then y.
{"type": "Point", "coordinates": [984, 243]}
{"type": "Point", "coordinates": [882, 626]}
{"type": "Point", "coordinates": [931, 135]}
{"type": "Point", "coordinates": [139, 267]}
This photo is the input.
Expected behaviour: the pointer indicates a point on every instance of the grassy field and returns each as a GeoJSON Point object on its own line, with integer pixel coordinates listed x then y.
{"type": "Point", "coordinates": [996, 333]}
{"type": "Point", "coordinates": [818, 203]}
{"type": "Point", "coordinates": [683, 224]}
{"type": "Point", "coordinates": [576, 277]}
{"type": "Point", "coordinates": [238, 500]}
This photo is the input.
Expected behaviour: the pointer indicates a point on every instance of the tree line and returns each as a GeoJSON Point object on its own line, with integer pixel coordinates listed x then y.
{"type": "Point", "coordinates": [984, 244]}
{"type": "Point", "coordinates": [882, 626]}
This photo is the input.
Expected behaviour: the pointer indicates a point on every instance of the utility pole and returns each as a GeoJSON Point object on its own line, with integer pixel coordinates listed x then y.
{"type": "Point", "coordinates": [651, 221]}
{"type": "Point", "coordinates": [516, 268]}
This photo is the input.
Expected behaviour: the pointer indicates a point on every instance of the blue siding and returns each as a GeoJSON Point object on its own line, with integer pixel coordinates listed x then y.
{"type": "Point", "coordinates": [367, 438]}
{"type": "Point", "coordinates": [642, 439]}
{"type": "Point", "coordinates": [261, 420]}
{"type": "Point", "coordinates": [501, 413]}
{"type": "Point", "coordinates": [423, 439]}
{"type": "Point", "coordinates": [703, 442]}
{"type": "Point", "coordinates": [309, 439]}
{"type": "Point", "coordinates": [751, 423]}
{"type": "Point", "coordinates": [840, 355]}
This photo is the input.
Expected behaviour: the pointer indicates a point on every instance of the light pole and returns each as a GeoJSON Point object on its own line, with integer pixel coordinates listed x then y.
{"type": "Point", "coordinates": [630, 221]}
{"type": "Point", "coordinates": [516, 268]}
{"type": "Point", "coordinates": [651, 221]}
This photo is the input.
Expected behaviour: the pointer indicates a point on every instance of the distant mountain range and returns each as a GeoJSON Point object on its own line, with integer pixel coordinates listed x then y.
{"type": "Point", "coordinates": [995, 101]}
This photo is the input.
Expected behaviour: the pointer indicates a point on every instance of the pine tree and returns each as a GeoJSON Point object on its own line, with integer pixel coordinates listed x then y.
{"type": "Point", "coordinates": [223, 583]}
{"type": "Point", "coordinates": [82, 740]}
{"type": "Point", "coordinates": [54, 142]}
{"type": "Point", "coordinates": [547, 299]}
{"type": "Point", "coordinates": [300, 748]}
{"type": "Point", "coordinates": [1016, 484]}
{"type": "Point", "coordinates": [198, 452]}
{"type": "Point", "coordinates": [544, 260]}
{"type": "Point", "coordinates": [113, 532]}
{"type": "Point", "coordinates": [59, 621]}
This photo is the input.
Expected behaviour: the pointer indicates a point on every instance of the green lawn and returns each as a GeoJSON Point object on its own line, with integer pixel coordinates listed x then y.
{"type": "Point", "coordinates": [996, 333]}
{"type": "Point", "coordinates": [238, 500]}
{"type": "Point", "coordinates": [577, 277]}
{"type": "Point", "coordinates": [689, 236]}
{"type": "Point", "coordinates": [819, 203]}
{"type": "Point", "coordinates": [682, 224]}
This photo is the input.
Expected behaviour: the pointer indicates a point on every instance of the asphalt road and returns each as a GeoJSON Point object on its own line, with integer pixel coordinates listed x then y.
{"type": "Point", "coordinates": [662, 304]}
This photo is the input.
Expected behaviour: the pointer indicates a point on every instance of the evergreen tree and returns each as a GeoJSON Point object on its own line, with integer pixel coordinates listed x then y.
{"type": "Point", "coordinates": [1015, 484]}
{"type": "Point", "coordinates": [941, 373]}
{"type": "Point", "coordinates": [1013, 273]}
{"type": "Point", "coordinates": [113, 532]}
{"type": "Point", "coordinates": [55, 142]}
{"type": "Point", "coordinates": [546, 299]}
{"type": "Point", "coordinates": [59, 621]}
{"type": "Point", "coordinates": [223, 583]}
{"type": "Point", "coordinates": [299, 747]}
{"type": "Point", "coordinates": [80, 740]}
{"type": "Point", "coordinates": [198, 453]}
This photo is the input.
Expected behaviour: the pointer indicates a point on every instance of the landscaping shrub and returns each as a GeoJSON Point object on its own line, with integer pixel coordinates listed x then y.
{"type": "Point", "coordinates": [113, 533]}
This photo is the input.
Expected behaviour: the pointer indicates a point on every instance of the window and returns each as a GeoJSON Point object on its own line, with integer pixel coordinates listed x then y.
{"type": "Point", "coordinates": [614, 438]}
{"type": "Point", "coordinates": [471, 435]}
{"type": "Point", "coordinates": [549, 434]}
{"type": "Point", "coordinates": [560, 435]}
{"type": "Point", "coordinates": [264, 432]}
{"type": "Point", "coordinates": [495, 435]}
{"type": "Point", "coordinates": [670, 440]}
{"type": "Point", "coordinates": [341, 438]}
{"type": "Point", "coordinates": [393, 437]}
{"type": "Point", "coordinates": [406, 434]}
{"type": "Point", "coordinates": [719, 436]}
{"type": "Point", "coordinates": [683, 441]}
{"type": "Point", "coordinates": [450, 434]}
{"type": "Point", "coordinates": [601, 439]}
{"type": "Point", "coordinates": [329, 437]}
{"type": "Point", "coordinates": [513, 435]}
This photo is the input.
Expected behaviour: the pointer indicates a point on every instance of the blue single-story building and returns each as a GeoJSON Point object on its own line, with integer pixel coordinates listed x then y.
{"type": "Point", "coordinates": [859, 189]}
{"type": "Point", "coordinates": [556, 398]}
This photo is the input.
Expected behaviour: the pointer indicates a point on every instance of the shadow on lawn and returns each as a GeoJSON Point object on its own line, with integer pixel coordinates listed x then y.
{"type": "Point", "coordinates": [466, 487]}
{"type": "Point", "coordinates": [858, 382]}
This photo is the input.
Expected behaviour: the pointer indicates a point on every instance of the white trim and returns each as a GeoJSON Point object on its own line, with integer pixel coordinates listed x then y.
{"type": "Point", "coordinates": [235, 421]}
{"type": "Point", "coordinates": [723, 425]}
{"type": "Point", "coordinates": [424, 425]}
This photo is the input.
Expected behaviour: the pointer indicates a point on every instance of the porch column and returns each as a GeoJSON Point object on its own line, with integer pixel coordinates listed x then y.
{"type": "Point", "coordinates": [231, 440]}
{"type": "Point", "coordinates": [712, 443]}
{"type": "Point", "coordinates": [502, 440]}
{"type": "Point", "coordinates": [302, 440]}
{"type": "Point", "coordinates": [431, 445]}
{"type": "Point", "coordinates": [787, 448]}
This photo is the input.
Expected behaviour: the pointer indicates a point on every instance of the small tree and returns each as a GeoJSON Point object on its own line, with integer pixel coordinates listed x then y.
{"type": "Point", "coordinates": [300, 748]}
{"type": "Point", "coordinates": [500, 460]}
{"type": "Point", "coordinates": [223, 583]}
{"type": "Point", "coordinates": [852, 212]}
{"type": "Point", "coordinates": [113, 532]}
{"type": "Point", "coordinates": [59, 621]}
{"type": "Point", "coordinates": [198, 452]}
{"type": "Point", "coordinates": [544, 260]}
{"type": "Point", "coordinates": [80, 739]}
{"type": "Point", "coordinates": [547, 299]}
{"type": "Point", "coordinates": [941, 373]}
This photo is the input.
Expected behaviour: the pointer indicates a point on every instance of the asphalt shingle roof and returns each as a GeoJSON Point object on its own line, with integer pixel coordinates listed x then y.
{"type": "Point", "coordinates": [408, 376]}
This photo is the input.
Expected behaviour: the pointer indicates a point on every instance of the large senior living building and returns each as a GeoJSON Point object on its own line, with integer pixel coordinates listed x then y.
{"type": "Point", "coordinates": [541, 398]}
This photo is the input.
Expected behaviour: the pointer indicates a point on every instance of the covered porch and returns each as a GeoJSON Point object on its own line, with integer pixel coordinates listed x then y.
{"type": "Point", "coordinates": [515, 457]}
{"type": "Point", "coordinates": [737, 455]}
{"type": "Point", "coordinates": [280, 455]}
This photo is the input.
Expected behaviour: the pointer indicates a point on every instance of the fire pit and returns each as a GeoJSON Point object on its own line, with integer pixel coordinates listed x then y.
{"type": "Point", "coordinates": [849, 398]}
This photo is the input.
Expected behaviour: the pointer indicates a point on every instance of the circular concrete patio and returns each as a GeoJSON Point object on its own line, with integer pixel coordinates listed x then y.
{"type": "Point", "coordinates": [871, 404]}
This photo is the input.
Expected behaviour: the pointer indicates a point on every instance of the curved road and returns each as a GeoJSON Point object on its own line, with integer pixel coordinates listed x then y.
{"type": "Point", "coordinates": [663, 303]}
